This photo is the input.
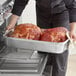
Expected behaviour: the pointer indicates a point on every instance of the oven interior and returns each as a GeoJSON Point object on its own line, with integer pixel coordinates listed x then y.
{"type": "Point", "coordinates": [13, 61]}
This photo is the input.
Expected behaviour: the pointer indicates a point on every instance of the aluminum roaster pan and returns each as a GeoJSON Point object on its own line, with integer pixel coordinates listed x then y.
{"type": "Point", "coordinates": [50, 47]}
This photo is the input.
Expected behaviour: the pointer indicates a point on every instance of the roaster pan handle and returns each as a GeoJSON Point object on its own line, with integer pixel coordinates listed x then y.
{"type": "Point", "coordinates": [8, 31]}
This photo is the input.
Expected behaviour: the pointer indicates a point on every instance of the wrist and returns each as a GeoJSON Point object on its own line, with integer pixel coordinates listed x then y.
{"type": "Point", "coordinates": [73, 26]}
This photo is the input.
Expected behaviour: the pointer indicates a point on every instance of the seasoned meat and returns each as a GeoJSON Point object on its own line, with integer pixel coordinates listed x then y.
{"type": "Point", "coordinates": [26, 31]}
{"type": "Point", "coordinates": [57, 34]}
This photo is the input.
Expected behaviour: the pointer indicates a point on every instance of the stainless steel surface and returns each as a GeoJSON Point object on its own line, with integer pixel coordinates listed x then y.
{"type": "Point", "coordinates": [5, 2]}
{"type": "Point", "coordinates": [2, 2]}
{"type": "Point", "coordinates": [15, 62]}
{"type": "Point", "coordinates": [5, 14]}
{"type": "Point", "coordinates": [5, 9]}
{"type": "Point", "coordinates": [51, 47]}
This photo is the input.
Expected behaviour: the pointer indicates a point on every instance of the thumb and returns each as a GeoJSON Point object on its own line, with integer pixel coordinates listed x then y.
{"type": "Point", "coordinates": [73, 35]}
{"type": "Point", "coordinates": [9, 27]}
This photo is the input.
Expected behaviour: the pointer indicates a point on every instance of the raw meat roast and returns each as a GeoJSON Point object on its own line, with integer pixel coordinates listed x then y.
{"type": "Point", "coordinates": [26, 31]}
{"type": "Point", "coordinates": [57, 34]}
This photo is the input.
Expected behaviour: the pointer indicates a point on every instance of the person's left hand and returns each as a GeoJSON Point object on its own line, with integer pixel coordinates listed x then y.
{"type": "Point", "coordinates": [73, 31]}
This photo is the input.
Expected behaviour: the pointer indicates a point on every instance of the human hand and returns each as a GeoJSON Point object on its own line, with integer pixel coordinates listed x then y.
{"type": "Point", "coordinates": [73, 35]}
{"type": "Point", "coordinates": [12, 22]}
{"type": "Point", "coordinates": [9, 27]}
{"type": "Point", "coordinates": [73, 31]}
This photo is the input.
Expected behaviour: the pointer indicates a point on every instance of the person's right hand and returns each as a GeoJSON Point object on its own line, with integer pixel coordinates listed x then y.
{"type": "Point", "coordinates": [9, 27]}
{"type": "Point", "coordinates": [12, 22]}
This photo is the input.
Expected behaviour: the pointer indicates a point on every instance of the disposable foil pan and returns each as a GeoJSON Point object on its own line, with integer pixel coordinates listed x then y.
{"type": "Point", "coordinates": [50, 47]}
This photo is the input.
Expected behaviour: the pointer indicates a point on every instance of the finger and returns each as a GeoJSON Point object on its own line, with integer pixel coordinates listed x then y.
{"type": "Point", "coordinates": [8, 28]}
{"type": "Point", "coordinates": [73, 37]}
